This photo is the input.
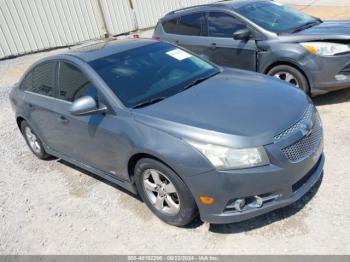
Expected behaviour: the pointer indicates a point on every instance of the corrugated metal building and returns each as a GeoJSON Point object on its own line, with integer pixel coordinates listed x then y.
{"type": "Point", "coordinates": [33, 25]}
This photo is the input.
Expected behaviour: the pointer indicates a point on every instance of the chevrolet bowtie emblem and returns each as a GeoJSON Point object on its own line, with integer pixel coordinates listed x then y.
{"type": "Point", "coordinates": [306, 127]}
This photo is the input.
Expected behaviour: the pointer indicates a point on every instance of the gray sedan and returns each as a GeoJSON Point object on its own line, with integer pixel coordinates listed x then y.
{"type": "Point", "coordinates": [266, 37]}
{"type": "Point", "coordinates": [184, 134]}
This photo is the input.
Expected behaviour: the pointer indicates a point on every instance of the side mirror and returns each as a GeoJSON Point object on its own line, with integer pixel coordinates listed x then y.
{"type": "Point", "coordinates": [242, 34]}
{"type": "Point", "coordinates": [85, 105]}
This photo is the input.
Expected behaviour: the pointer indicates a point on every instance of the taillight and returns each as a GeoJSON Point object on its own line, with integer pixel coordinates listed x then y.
{"type": "Point", "coordinates": [156, 37]}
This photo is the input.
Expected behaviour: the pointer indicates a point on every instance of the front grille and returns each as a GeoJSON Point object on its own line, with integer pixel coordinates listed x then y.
{"type": "Point", "coordinates": [307, 145]}
{"type": "Point", "coordinates": [345, 70]}
{"type": "Point", "coordinates": [306, 117]}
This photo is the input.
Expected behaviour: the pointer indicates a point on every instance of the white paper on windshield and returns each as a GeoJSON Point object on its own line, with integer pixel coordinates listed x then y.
{"type": "Point", "coordinates": [276, 3]}
{"type": "Point", "coordinates": [179, 54]}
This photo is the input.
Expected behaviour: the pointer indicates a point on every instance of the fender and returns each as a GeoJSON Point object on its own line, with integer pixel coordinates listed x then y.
{"type": "Point", "coordinates": [271, 54]}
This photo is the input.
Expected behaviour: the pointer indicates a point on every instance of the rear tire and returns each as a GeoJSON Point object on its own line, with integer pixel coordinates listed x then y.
{"type": "Point", "coordinates": [164, 192]}
{"type": "Point", "coordinates": [291, 75]}
{"type": "Point", "coordinates": [33, 141]}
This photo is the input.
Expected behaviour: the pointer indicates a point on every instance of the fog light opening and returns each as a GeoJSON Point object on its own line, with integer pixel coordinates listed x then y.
{"type": "Point", "coordinates": [256, 202]}
{"type": "Point", "coordinates": [252, 202]}
{"type": "Point", "coordinates": [237, 204]}
{"type": "Point", "coordinates": [341, 77]}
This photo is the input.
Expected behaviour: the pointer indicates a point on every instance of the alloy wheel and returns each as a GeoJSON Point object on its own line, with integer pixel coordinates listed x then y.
{"type": "Point", "coordinates": [288, 77]}
{"type": "Point", "coordinates": [161, 192]}
{"type": "Point", "coordinates": [32, 140]}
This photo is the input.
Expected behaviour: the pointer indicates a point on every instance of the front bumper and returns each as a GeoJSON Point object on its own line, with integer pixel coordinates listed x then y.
{"type": "Point", "coordinates": [323, 71]}
{"type": "Point", "coordinates": [279, 184]}
{"type": "Point", "coordinates": [214, 214]}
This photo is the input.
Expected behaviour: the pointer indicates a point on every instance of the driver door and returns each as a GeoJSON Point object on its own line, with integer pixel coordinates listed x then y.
{"type": "Point", "coordinates": [223, 49]}
{"type": "Point", "coordinates": [86, 139]}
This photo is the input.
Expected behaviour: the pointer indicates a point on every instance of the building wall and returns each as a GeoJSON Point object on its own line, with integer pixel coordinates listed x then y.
{"type": "Point", "coordinates": [118, 15]}
{"type": "Point", "coordinates": [33, 25]}
{"type": "Point", "coordinates": [149, 11]}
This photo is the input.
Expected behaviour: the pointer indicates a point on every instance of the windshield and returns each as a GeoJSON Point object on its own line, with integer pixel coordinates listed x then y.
{"type": "Point", "coordinates": [275, 17]}
{"type": "Point", "coordinates": [151, 72]}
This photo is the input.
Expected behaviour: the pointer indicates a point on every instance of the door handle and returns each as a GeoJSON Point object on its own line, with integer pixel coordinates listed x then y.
{"type": "Point", "coordinates": [213, 46]}
{"type": "Point", "coordinates": [63, 119]}
{"type": "Point", "coordinates": [177, 42]}
{"type": "Point", "coordinates": [30, 106]}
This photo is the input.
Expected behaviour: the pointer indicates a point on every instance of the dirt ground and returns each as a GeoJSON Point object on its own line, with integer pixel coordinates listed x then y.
{"type": "Point", "coordinates": [326, 12]}
{"type": "Point", "coordinates": [50, 207]}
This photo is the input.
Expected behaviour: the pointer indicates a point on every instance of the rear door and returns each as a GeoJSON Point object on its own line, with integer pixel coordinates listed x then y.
{"type": "Point", "coordinates": [189, 31]}
{"type": "Point", "coordinates": [224, 50]}
{"type": "Point", "coordinates": [39, 99]}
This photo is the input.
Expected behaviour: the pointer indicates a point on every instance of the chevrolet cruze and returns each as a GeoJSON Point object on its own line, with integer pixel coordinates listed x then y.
{"type": "Point", "coordinates": [186, 135]}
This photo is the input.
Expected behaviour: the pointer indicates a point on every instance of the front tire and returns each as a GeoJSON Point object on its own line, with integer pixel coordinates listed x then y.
{"type": "Point", "coordinates": [291, 75]}
{"type": "Point", "coordinates": [33, 141]}
{"type": "Point", "coordinates": [164, 192]}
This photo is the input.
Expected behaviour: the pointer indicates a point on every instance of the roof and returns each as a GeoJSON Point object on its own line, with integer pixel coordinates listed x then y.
{"type": "Point", "coordinates": [107, 47]}
{"type": "Point", "coordinates": [239, 3]}
{"type": "Point", "coordinates": [231, 4]}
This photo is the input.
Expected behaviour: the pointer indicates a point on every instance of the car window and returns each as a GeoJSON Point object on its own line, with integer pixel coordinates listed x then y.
{"type": "Point", "coordinates": [151, 71]}
{"type": "Point", "coordinates": [170, 26]}
{"type": "Point", "coordinates": [223, 25]}
{"type": "Point", "coordinates": [193, 24]}
{"type": "Point", "coordinates": [274, 17]}
{"type": "Point", "coordinates": [27, 82]}
{"type": "Point", "coordinates": [73, 84]}
{"type": "Point", "coordinates": [42, 80]}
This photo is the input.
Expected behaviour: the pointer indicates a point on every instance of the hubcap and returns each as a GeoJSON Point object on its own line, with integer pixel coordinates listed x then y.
{"type": "Point", "coordinates": [32, 140]}
{"type": "Point", "coordinates": [288, 77]}
{"type": "Point", "coordinates": [161, 192]}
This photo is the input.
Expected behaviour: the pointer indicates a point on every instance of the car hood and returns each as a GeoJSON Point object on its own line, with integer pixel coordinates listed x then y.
{"type": "Point", "coordinates": [329, 30]}
{"type": "Point", "coordinates": [236, 107]}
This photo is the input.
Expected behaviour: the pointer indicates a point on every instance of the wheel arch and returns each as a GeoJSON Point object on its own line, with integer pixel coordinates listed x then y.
{"type": "Point", "coordinates": [19, 120]}
{"type": "Point", "coordinates": [288, 63]}
{"type": "Point", "coordinates": [137, 156]}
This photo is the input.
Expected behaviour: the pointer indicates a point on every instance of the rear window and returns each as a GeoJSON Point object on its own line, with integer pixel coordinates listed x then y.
{"type": "Point", "coordinates": [193, 24]}
{"type": "Point", "coordinates": [41, 80]}
{"type": "Point", "coordinates": [27, 82]}
{"type": "Point", "coordinates": [170, 26]}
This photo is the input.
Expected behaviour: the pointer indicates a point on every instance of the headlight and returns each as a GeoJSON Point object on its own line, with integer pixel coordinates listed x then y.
{"type": "Point", "coordinates": [325, 49]}
{"type": "Point", "coordinates": [226, 158]}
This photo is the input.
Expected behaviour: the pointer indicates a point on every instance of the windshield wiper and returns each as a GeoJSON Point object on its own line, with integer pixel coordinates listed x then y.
{"type": "Point", "coordinates": [149, 102]}
{"type": "Point", "coordinates": [199, 80]}
{"type": "Point", "coordinates": [158, 99]}
{"type": "Point", "coordinates": [307, 25]}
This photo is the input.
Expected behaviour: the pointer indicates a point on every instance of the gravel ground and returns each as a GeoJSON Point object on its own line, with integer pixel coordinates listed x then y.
{"type": "Point", "coordinates": [50, 207]}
